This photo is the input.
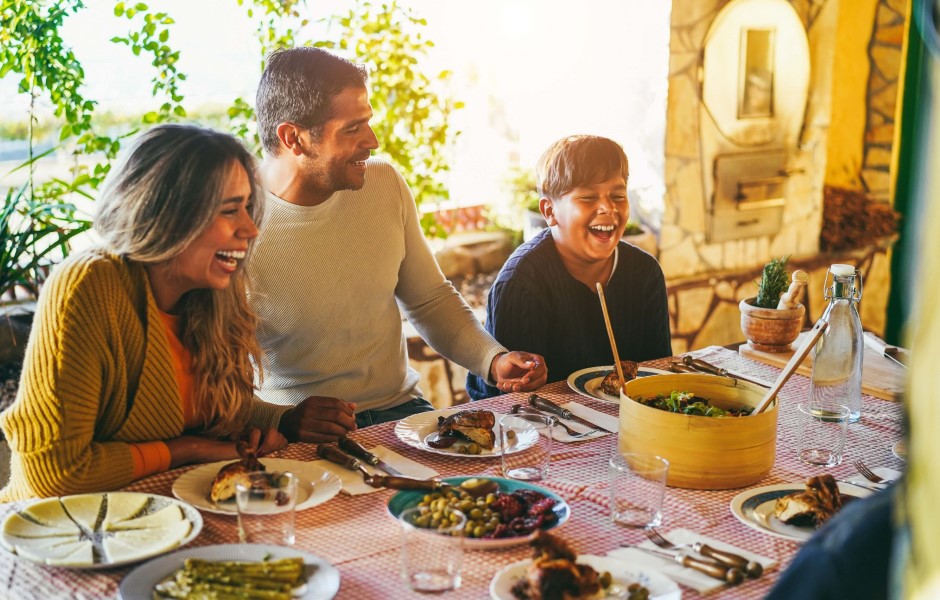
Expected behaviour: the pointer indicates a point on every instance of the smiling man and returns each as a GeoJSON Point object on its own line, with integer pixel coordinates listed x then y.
{"type": "Point", "coordinates": [545, 297]}
{"type": "Point", "coordinates": [340, 252]}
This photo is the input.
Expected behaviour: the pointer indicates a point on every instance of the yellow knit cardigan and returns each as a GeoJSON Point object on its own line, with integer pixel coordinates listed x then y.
{"type": "Point", "coordinates": [96, 377]}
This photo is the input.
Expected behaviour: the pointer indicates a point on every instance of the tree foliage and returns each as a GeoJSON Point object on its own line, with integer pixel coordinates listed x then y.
{"type": "Point", "coordinates": [411, 121]}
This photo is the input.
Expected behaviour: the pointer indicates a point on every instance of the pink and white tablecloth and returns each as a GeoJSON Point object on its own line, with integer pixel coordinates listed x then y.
{"type": "Point", "coordinates": [358, 536]}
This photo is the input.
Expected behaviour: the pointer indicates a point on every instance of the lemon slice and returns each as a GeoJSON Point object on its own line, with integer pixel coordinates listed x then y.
{"type": "Point", "coordinates": [162, 518]}
{"type": "Point", "coordinates": [18, 526]}
{"type": "Point", "coordinates": [123, 506]}
{"type": "Point", "coordinates": [84, 509]}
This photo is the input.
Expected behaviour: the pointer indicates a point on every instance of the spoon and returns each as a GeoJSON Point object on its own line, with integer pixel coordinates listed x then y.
{"type": "Point", "coordinates": [818, 329]}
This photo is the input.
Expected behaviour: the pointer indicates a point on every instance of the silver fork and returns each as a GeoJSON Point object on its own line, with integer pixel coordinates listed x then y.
{"type": "Point", "coordinates": [518, 408]}
{"type": "Point", "coordinates": [869, 474]}
{"type": "Point", "coordinates": [752, 569]}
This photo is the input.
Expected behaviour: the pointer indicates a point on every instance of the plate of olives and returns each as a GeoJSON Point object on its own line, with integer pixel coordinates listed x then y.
{"type": "Point", "coordinates": [506, 516]}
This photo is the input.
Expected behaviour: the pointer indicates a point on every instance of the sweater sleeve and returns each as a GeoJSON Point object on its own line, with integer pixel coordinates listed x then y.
{"type": "Point", "coordinates": [265, 415]}
{"type": "Point", "coordinates": [433, 305]}
{"type": "Point", "coordinates": [70, 365]}
{"type": "Point", "coordinates": [517, 318]}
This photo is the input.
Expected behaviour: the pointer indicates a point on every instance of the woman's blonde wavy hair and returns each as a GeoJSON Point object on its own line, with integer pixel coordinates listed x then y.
{"type": "Point", "coordinates": [161, 196]}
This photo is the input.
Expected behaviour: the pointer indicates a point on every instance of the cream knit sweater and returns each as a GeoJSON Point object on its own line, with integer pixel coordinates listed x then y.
{"type": "Point", "coordinates": [328, 281]}
{"type": "Point", "coordinates": [97, 376]}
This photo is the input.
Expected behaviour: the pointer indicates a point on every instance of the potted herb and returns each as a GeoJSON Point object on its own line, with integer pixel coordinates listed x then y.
{"type": "Point", "coordinates": [34, 234]}
{"type": "Point", "coordinates": [772, 320]}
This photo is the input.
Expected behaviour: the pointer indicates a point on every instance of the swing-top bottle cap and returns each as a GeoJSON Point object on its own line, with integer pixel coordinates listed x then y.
{"type": "Point", "coordinates": [842, 270]}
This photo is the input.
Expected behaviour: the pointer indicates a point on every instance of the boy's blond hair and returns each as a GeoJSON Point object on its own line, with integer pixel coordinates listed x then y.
{"type": "Point", "coordinates": [578, 160]}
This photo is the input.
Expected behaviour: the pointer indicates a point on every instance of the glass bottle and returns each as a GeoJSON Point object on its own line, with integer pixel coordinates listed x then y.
{"type": "Point", "coordinates": [837, 360]}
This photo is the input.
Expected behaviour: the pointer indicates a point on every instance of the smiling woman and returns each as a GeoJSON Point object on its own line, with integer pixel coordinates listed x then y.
{"type": "Point", "coordinates": [141, 355]}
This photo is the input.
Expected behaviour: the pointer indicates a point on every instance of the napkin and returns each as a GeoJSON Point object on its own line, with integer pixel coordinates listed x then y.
{"type": "Point", "coordinates": [598, 418]}
{"type": "Point", "coordinates": [883, 472]}
{"type": "Point", "coordinates": [353, 484]}
{"type": "Point", "coordinates": [700, 582]}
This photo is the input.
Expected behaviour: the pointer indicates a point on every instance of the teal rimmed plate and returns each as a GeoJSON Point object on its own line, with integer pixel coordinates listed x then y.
{"type": "Point", "coordinates": [406, 499]}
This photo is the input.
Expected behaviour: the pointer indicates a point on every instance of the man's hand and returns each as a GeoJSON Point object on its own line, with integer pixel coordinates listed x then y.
{"type": "Point", "coordinates": [319, 419]}
{"type": "Point", "coordinates": [518, 371]}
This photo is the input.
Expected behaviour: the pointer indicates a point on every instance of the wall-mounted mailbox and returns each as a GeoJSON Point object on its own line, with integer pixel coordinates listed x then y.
{"type": "Point", "coordinates": [750, 192]}
{"type": "Point", "coordinates": [755, 80]}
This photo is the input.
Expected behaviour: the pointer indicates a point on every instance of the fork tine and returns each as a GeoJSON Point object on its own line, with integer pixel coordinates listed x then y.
{"type": "Point", "coordinates": [867, 473]}
{"type": "Point", "coordinates": [657, 538]}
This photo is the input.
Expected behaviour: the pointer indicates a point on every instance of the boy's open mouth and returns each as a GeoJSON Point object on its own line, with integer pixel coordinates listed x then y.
{"type": "Point", "coordinates": [603, 232]}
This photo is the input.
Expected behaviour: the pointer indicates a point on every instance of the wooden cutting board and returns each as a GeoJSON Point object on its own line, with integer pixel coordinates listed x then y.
{"type": "Point", "coordinates": [881, 378]}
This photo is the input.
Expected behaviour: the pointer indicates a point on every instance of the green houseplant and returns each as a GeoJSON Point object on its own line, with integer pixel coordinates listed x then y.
{"type": "Point", "coordinates": [768, 324]}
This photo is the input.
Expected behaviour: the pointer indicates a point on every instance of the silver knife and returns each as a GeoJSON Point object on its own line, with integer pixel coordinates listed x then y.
{"type": "Point", "coordinates": [709, 566]}
{"type": "Point", "coordinates": [549, 406]}
{"type": "Point", "coordinates": [359, 451]}
{"type": "Point", "coordinates": [706, 367]}
{"type": "Point", "coordinates": [892, 353]}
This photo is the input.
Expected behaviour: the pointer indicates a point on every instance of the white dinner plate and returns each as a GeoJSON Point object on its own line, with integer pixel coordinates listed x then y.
{"type": "Point", "coordinates": [755, 508]}
{"type": "Point", "coordinates": [899, 449]}
{"type": "Point", "coordinates": [660, 587]}
{"type": "Point", "coordinates": [416, 429]}
{"type": "Point", "coordinates": [322, 577]}
{"type": "Point", "coordinates": [153, 504]}
{"type": "Point", "coordinates": [317, 485]}
{"type": "Point", "coordinates": [587, 382]}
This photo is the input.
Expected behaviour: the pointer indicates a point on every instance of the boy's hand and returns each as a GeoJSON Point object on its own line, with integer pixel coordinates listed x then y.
{"type": "Point", "coordinates": [518, 371]}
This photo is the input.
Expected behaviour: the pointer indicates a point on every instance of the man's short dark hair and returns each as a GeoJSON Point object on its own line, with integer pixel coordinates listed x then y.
{"type": "Point", "coordinates": [297, 86]}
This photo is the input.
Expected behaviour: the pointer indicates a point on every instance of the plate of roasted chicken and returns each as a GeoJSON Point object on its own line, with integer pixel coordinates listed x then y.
{"type": "Point", "coordinates": [455, 432]}
{"type": "Point", "coordinates": [794, 511]}
{"type": "Point", "coordinates": [211, 487]}
{"type": "Point", "coordinates": [555, 571]}
{"type": "Point", "coordinates": [603, 383]}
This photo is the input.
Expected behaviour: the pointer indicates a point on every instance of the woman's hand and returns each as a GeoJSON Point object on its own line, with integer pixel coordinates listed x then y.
{"type": "Point", "coordinates": [188, 449]}
{"type": "Point", "coordinates": [264, 443]}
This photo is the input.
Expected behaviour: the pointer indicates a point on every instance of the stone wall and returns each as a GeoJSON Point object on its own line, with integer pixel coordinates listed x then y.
{"type": "Point", "coordinates": [706, 280]}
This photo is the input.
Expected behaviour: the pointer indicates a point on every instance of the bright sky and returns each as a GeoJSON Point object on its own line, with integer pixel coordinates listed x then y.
{"type": "Point", "coordinates": [530, 71]}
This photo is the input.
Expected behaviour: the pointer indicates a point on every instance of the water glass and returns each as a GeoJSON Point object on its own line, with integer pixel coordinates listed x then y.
{"type": "Point", "coordinates": [431, 553]}
{"type": "Point", "coordinates": [526, 446]}
{"type": "Point", "coordinates": [823, 427]}
{"type": "Point", "coordinates": [637, 489]}
{"type": "Point", "coordinates": [266, 503]}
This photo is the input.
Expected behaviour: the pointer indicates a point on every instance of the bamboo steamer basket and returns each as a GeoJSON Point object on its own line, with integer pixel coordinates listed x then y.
{"type": "Point", "coordinates": [704, 453]}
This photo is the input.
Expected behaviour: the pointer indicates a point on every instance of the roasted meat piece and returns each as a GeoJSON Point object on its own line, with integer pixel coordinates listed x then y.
{"type": "Point", "coordinates": [611, 384]}
{"type": "Point", "coordinates": [473, 425]}
{"type": "Point", "coordinates": [554, 574]}
{"type": "Point", "coordinates": [223, 486]}
{"type": "Point", "coordinates": [813, 506]}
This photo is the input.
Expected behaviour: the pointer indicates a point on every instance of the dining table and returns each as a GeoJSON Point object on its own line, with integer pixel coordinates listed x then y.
{"type": "Point", "coordinates": [358, 535]}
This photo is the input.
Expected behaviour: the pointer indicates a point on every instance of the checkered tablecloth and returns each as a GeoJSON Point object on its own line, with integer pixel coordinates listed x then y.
{"type": "Point", "coordinates": [358, 536]}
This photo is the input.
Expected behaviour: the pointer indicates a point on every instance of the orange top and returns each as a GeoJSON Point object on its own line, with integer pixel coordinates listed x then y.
{"type": "Point", "coordinates": [154, 457]}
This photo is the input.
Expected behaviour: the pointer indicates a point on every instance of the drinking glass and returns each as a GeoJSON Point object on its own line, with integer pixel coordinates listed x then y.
{"type": "Point", "coordinates": [526, 446]}
{"type": "Point", "coordinates": [823, 427]}
{"type": "Point", "coordinates": [266, 503]}
{"type": "Point", "coordinates": [431, 554]}
{"type": "Point", "coordinates": [637, 488]}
